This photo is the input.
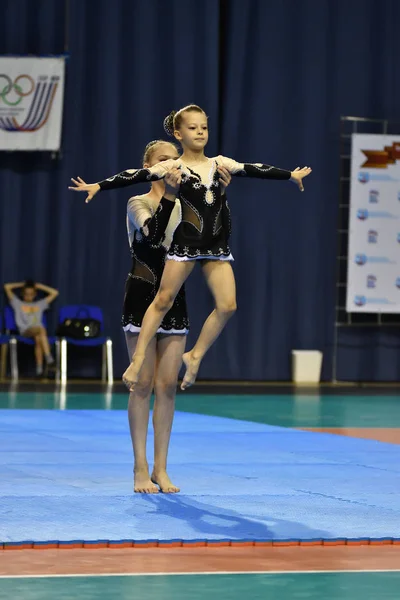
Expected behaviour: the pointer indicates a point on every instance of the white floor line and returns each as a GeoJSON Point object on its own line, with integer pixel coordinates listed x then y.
{"type": "Point", "coordinates": [161, 574]}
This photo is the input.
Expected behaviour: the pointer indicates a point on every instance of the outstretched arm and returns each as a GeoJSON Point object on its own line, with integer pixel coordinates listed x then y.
{"type": "Point", "coordinates": [123, 179]}
{"type": "Point", "coordinates": [52, 293]}
{"type": "Point", "coordinates": [130, 177]}
{"type": "Point", "coordinates": [261, 171]}
{"type": "Point", "coordinates": [10, 287]}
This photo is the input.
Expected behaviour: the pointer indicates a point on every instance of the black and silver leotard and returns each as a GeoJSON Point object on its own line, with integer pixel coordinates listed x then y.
{"type": "Point", "coordinates": [204, 230]}
{"type": "Point", "coordinates": [151, 225]}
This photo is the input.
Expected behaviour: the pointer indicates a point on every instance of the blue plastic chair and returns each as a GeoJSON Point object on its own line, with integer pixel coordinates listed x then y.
{"type": "Point", "coordinates": [15, 338]}
{"type": "Point", "coordinates": [4, 338]}
{"type": "Point", "coordinates": [74, 311]}
{"type": "Point", "coordinates": [4, 341]}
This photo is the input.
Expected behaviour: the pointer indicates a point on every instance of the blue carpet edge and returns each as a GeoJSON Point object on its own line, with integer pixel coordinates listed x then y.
{"type": "Point", "coordinates": [24, 544]}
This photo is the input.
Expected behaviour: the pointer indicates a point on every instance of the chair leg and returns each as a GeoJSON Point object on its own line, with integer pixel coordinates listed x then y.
{"type": "Point", "coordinates": [104, 363]}
{"type": "Point", "coordinates": [63, 361]}
{"type": "Point", "coordinates": [110, 366]}
{"type": "Point", "coordinates": [58, 361]}
{"type": "Point", "coordinates": [3, 367]}
{"type": "Point", "coordinates": [14, 359]}
{"type": "Point", "coordinates": [62, 397]}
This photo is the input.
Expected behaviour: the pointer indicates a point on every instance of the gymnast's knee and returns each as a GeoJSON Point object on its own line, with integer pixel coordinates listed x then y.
{"type": "Point", "coordinates": [227, 308]}
{"type": "Point", "coordinates": [164, 301]}
{"type": "Point", "coordinates": [165, 388]}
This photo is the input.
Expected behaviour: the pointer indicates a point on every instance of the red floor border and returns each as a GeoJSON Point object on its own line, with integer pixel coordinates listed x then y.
{"type": "Point", "coordinates": [95, 544]}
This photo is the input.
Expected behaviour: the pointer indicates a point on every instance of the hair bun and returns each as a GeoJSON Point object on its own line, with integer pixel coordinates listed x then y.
{"type": "Point", "coordinates": [169, 123]}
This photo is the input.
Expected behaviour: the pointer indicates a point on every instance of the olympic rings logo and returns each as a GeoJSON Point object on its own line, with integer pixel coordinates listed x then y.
{"type": "Point", "coordinates": [23, 85]}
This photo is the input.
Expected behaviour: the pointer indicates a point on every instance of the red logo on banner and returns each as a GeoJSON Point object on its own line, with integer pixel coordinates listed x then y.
{"type": "Point", "coordinates": [380, 159]}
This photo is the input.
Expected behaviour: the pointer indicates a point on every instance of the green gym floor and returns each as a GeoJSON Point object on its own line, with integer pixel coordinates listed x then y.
{"type": "Point", "coordinates": [329, 586]}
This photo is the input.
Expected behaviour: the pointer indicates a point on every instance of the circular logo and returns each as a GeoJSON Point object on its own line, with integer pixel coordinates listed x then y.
{"type": "Point", "coordinates": [12, 92]}
{"type": "Point", "coordinates": [363, 177]}
{"type": "Point", "coordinates": [360, 259]}
{"type": "Point", "coordinates": [360, 300]}
{"type": "Point", "coordinates": [362, 214]}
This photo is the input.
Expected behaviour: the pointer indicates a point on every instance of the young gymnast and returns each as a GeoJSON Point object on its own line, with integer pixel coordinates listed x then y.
{"type": "Point", "coordinates": [201, 235]}
{"type": "Point", "coordinates": [151, 221]}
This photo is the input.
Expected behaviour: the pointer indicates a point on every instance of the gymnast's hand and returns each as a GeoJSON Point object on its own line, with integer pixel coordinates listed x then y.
{"type": "Point", "coordinates": [172, 181]}
{"type": "Point", "coordinates": [224, 178]}
{"type": "Point", "coordinates": [298, 175]}
{"type": "Point", "coordinates": [81, 186]}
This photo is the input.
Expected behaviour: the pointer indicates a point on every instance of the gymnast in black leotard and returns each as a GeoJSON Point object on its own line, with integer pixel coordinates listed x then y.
{"type": "Point", "coordinates": [202, 234]}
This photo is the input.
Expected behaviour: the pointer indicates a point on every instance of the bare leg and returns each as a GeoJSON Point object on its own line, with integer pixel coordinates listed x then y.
{"type": "Point", "coordinates": [138, 415]}
{"type": "Point", "coordinates": [38, 355]}
{"type": "Point", "coordinates": [45, 345]}
{"type": "Point", "coordinates": [36, 334]}
{"type": "Point", "coordinates": [169, 359]}
{"type": "Point", "coordinates": [174, 276]}
{"type": "Point", "coordinates": [221, 282]}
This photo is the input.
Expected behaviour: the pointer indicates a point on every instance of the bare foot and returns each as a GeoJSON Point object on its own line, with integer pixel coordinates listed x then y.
{"type": "Point", "coordinates": [161, 479]}
{"type": "Point", "coordinates": [143, 484]}
{"type": "Point", "coordinates": [131, 375]}
{"type": "Point", "coordinates": [192, 366]}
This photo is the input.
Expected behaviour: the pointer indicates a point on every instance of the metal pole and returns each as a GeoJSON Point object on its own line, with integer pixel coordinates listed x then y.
{"type": "Point", "coordinates": [110, 367]}
{"type": "Point", "coordinates": [63, 361]}
{"type": "Point", "coordinates": [337, 294]}
{"type": "Point", "coordinates": [14, 359]}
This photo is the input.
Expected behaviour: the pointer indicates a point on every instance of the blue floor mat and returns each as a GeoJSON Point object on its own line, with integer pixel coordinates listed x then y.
{"type": "Point", "coordinates": [67, 475]}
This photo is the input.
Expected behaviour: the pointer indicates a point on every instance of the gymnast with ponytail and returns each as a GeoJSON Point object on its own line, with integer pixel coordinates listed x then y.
{"type": "Point", "coordinates": [202, 235]}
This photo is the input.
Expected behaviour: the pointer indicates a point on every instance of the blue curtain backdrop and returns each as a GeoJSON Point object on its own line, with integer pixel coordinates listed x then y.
{"type": "Point", "coordinates": [274, 78]}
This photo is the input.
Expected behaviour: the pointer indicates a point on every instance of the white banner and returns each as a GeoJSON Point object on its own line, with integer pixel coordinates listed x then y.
{"type": "Point", "coordinates": [31, 103]}
{"type": "Point", "coordinates": [373, 277]}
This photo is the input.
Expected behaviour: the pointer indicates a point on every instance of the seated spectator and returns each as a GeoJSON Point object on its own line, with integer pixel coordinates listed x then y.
{"type": "Point", "coordinates": [29, 316]}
